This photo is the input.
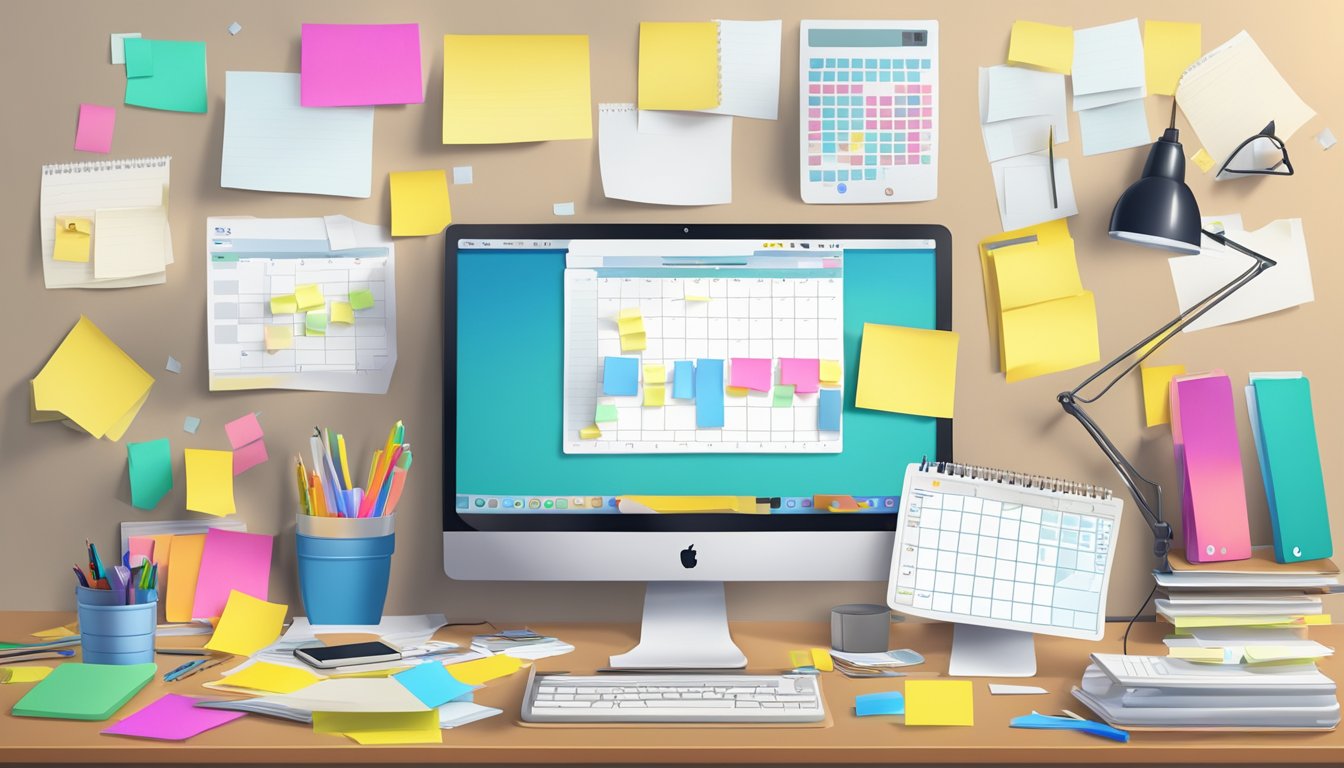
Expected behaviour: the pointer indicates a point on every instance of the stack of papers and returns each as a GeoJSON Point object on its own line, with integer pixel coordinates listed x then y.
{"type": "Point", "coordinates": [1109, 83]}
{"type": "Point", "coordinates": [1021, 110]}
{"type": "Point", "coordinates": [520, 644]}
{"type": "Point", "coordinates": [882, 664]}
{"type": "Point", "coordinates": [90, 384]}
{"type": "Point", "coordinates": [1043, 318]}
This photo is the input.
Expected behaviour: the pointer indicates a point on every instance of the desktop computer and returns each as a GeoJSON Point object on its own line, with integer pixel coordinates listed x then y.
{"type": "Point", "coordinates": [667, 404]}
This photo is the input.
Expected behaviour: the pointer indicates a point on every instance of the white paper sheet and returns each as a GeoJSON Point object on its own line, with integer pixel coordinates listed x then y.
{"type": "Point", "coordinates": [1021, 135]}
{"type": "Point", "coordinates": [692, 165]}
{"type": "Point", "coordinates": [272, 143]}
{"type": "Point", "coordinates": [129, 242]}
{"type": "Point", "coordinates": [1107, 64]}
{"type": "Point", "coordinates": [351, 694]}
{"type": "Point", "coordinates": [1287, 284]}
{"type": "Point", "coordinates": [1001, 689]}
{"type": "Point", "coordinates": [1023, 188]}
{"type": "Point", "coordinates": [1114, 127]}
{"type": "Point", "coordinates": [457, 713]}
{"type": "Point", "coordinates": [1020, 92]}
{"type": "Point", "coordinates": [749, 69]}
{"type": "Point", "coordinates": [118, 44]}
{"type": "Point", "coordinates": [1231, 93]}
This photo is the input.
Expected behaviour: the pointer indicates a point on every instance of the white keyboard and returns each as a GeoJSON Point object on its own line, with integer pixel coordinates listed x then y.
{"type": "Point", "coordinates": [673, 698]}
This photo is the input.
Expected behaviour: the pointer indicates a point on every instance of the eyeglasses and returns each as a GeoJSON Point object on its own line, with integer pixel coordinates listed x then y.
{"type": "Point", "coordinates": [1261, 155]}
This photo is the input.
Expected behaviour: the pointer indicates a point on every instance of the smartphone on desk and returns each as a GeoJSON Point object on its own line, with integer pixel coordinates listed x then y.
{"type": "Point", "coordinates": [328, 656]}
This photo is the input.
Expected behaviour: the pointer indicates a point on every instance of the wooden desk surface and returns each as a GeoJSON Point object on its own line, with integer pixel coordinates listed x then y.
{"type": "Point", "coordinates": [256, 739]}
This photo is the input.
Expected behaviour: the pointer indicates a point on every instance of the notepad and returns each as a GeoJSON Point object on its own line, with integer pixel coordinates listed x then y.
{"type": "Point", "coordinates": [346, 65]}
{"type": "Point", "coordinates": [1023, 187]}
{"type": "Point", "coordinates": [130, 241]}
{"type": "Point", "coordinates": [265, 677]}
{"type": "Point", "coordinates": [688, 162]}
{"type": "Point", "coordinates": [382, 727]}
{"type": "Point", "coordinates": [1114, 127]}
{"type": "Point", "coordinates": [273, 144]}
{"type": "Point", "coordinates": [678, 65]}
{"type": "Point", "coordinates": [77, 691]}
{"type": "Point", "coordinates": [500, 89]}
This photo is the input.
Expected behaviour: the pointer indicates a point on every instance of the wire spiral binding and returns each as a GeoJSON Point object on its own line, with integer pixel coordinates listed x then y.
{"type": "Point", "coordinates": [1038, 482]}
{"type": "Point", "coordinates": [100, 166]}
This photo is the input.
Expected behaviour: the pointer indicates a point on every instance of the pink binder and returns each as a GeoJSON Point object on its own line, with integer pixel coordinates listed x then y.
{"type": "Point", "coordinates": [1208, 460]}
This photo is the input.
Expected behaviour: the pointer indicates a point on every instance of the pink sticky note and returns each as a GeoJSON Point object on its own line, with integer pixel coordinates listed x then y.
{"type": "Point", "coordinates": [804, 373]}
{"type": "Point", "coordinates": [231, 560]}
{"type": "Point", "coordinates": [243, 430]}
{"type": "Point", "coordinates": [750, 373]}
{"type": "Point", "coordinates": [94, 133]}
{"type": "Point", "coordinates": [141, 547]}
{"type": "Point", "coordinates": [346, 65]}
{"type": "Point", "coordinates": [172, 718]}
{"type": "Point", "coordinates": [249, 456]}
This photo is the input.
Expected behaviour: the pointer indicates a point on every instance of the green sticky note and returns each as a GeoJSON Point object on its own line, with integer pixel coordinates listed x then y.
{"type": "Point", "coordinates": [315, 324]}
{"type": "Point", "coordinates": [76, 691]}
{"type": "Point", "coordinates": [783, 395]}
{"type": "Point", "coordinates": [165, 74]}
{"type": "Point", "coordinates": [605, 412]}
{"type": "Point", "coordinates": [150, 466]}
{"type": "Point", "coordinates": [361, 299]}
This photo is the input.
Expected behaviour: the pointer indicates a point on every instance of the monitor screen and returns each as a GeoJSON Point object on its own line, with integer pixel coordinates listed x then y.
{"type": "Point", "coordinates": [594, 370]}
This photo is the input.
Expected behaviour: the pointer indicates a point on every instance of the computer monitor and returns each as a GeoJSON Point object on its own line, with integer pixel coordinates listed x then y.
{"type": "Point", "coordinates": [599, 379]}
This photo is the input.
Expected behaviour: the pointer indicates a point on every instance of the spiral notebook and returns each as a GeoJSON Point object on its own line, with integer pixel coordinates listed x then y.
{"type": "Point", "coordinates": [129, 198]}
{"type": "Point", "coordinates": [1005, 549]}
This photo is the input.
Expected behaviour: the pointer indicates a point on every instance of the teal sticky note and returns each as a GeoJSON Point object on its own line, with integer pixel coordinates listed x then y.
{"type": "Point", "coordinates": [1290, 462]}
{"type": "Point", "coordinates": [606, 412]}
{"type": "Point", "coordinates": [165, 74]}
{"type": "Point", "coordinates": [150, 466]}
{"type": "Point", "coordinates": [885, 703]}
{"type": "Point", "coordinates": [431, 684]}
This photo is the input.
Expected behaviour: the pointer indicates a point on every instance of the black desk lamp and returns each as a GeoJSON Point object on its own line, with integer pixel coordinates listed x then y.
{"type": "Point", "coordinates": [1157, 211]}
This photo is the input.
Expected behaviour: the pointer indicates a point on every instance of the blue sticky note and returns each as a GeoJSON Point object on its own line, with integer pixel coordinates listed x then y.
{"type": "Point", "coordinates": [828, 411]}
{"type": "Point", "coordinates": [709, 386]}
{"type": "Point", "coordinates": [150, 466]}
{"type": "Point", "coordinates": [431, 684]}
{"type": "Point", "coordinates": [620, 375]}
{"type": "Point", "coordinates": [683, 380]}
{"type": "Point", "coordinates": [191, 424]}
{"type": "Point", "coordinates": [886, 703]}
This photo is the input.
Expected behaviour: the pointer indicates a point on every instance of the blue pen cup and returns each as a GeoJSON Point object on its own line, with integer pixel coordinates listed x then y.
{"type": "Point", "coordinates": [111, 633]}
{"type": "Point", "coordinates": [344, 565]}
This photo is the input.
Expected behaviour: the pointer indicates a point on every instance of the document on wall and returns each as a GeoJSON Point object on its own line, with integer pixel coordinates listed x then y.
{"type": "Point", "coordinates": [1023, 133]}
{"type": "Point", "coordinates": [1108, 65]}
{"type": "Point", "coordinates": [749, 69]}
{"type": "Point", "coordinates": [686, 159]}
{"type": "Point", "coordinates": [1023, 185]}
{"type": "Point", "coordinates": [287, 309]}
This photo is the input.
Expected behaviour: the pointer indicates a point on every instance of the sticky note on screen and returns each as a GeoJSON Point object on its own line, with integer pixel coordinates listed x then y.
{"type": "Point", "coordinates": [907, 370]}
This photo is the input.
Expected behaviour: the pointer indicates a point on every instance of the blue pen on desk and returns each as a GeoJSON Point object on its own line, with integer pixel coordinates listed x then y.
{"type": "Point", "coordinates": [178, 672]}
{"type": "Point", "coordinates": [1071, 723]}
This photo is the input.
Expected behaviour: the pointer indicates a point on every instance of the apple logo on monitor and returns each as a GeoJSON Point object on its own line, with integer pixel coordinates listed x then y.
{"type": "Point", "coordinates": [688, 557]}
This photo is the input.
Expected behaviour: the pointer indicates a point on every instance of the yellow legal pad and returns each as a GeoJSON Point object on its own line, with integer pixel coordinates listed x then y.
{"type": "Point", "coordinates": [1168, 48]}
{"type": "Point", "coordinates": [92, 382]}
{"type": "Point", "coordinates": [939, 702]}
{"type": "Point", "coordinates": [247, 625]}
{"type": "Point", "coordinates": [209, 481]}
{"type": "Point", "coordinates": [907, 370]}
{"type": "Point", "coordinates": [678, 65]}
{"type": "Point", "coordinates": [500, 89]}
{"type": "Point", "coordinates": [419, 204]}
{"type": "Point", "coordinates": [1044, 46]}
{"type": "Point", "coordinates": [1157, 392]}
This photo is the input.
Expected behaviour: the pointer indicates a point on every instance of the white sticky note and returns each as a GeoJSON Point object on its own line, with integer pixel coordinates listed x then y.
{"type": "Point", "coordinates": [688, 162]}
{"type": "Point", "coordinates": [462, 174]}
{"type": "Point", "coordinates": [173, 365]}
{"type": "Point", "coordinates": [119, 46]}
{"type": "Point", "coordinates": [1108, 64]}
{"type": "Point", "coordinates": [1019, 92]}
{"type": "Point", "coordinates": [1023, 188]}
{"type": "Point", "coordinates": [1000, 689]}
{"type": "Point", "coordinates": [749, 69]}
{"type": "Point", "coordinates": [1326, 138]}
{"type": "Point", "coordinates": [1114, 127]}
{"type": "Point", "coordinates": [235, 28]}
{"type": "Point", "coordinates": [1019, 135]}
{"type": "Point", "coordinates": [563, 209]}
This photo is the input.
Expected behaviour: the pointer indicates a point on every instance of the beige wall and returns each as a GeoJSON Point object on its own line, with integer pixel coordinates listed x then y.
{"type": "Point", "coordinates": [60, 487]}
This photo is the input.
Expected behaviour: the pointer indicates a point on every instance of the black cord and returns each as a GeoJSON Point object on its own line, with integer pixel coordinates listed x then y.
{"type": "Point", "coordinates": [472, 623]}
{"type": "Point", "coordinates": [1125, 640]}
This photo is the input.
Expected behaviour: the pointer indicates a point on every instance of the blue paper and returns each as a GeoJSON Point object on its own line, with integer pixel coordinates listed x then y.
{"type": "Point", "coordinates": [432, 684]}
{"type": "Point", "coordinates": [709, 385]}
{"type": "Point", "coordinates": [828, 410]}
{"type": "Point", "coordinates": [620, 376]}
{"type": "Point", "coordinates": [885, 703]}
{"type": "Point", "coordinates": [683, 380]}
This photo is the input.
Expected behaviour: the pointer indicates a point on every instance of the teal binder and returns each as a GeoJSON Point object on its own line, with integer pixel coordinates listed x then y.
{"type": "Point", "coordinates": [1290, 462]}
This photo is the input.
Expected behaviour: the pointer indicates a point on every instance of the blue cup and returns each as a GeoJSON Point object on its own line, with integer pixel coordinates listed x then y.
{"type": "Point", "coordinates": [343, 577]}
{"type": "Point", "coordinates": [111, 633]}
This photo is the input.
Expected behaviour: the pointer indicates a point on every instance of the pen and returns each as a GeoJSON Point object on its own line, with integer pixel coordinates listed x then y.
{"type": "Point", "coordinates": [204, 665]}
{"type": "Point", "coordinates": [79, 574]}
{"type": "Point", "coordinates": [1054, 189]}
{"type": "Point", "coordinates": [184, 652]}
{"type": "Point", "coordinates": [177, 672]}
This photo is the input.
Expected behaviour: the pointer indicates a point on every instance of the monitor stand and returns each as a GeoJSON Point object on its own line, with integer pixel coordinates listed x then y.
{"type": "Point", "coordinates": [991, 652]}
{"type": "Point", "coordinates": [685, 627]}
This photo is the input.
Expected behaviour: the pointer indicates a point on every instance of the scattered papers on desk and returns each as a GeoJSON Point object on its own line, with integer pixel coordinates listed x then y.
{"type": "Point", "coordinates": [939, 702]}
{"type": "Point", "coordinates": [500, 89]}
{"type": "Point", "coordinates": [400, 631]}
{"type": "Point", "coordinates": [273, 144]}
{"type": "Point", "coordinates": [94, 133]}
{"type": "Point", "coordinates": [875, 664]}
{"type": "Point", "coordinates": [687, 161]}
{"type": "Point", "coordinates": [521, 645]}
{"type": "Point", "coordinates": [349, 65]}
{"type": "Point", "coordinates": [432, 684]}
{"type": "Point", "coordinates": [165, 74]}
{"type": "Point", "coordinates": [420, 203]}
{"type": "Point", "coordinates": [1107, 65]}
{"type": "Point", "coordinates": [247, 625]}
{"type": "Point", "coordinates": [265, 677]}
{"type": "Point", "coordinates": [679, 65]}
{"type": "Point", "coordinates": [1169, 47]}
{"type": "Point", "coordinates": [250, 261]}
{"type": "Point", "coordinates": [209, 481]}
{"type": "Point", "coordinates": [1026, 134]}
{"type": "Point", "coordinates": [1022, 185]}
{"type": "Point", "coordinates": [150, 467]}
{"type": "Point", "coordinates": [1288, 284]}
{"type": "Point", "coordinates": [1232, 92]}
{"type": "Point", "coordinates": [749, 69]}
{"type": "Point", "coordinates": [907, 370]}
{"type": "Point", "coordinates": [1046, 46]}
{"type": "Point", "coordinates": [171, 718]}
{"type": "Point", "coordinates": [75, 194]}
{"type": "Point", "coordinates": [90, 382]}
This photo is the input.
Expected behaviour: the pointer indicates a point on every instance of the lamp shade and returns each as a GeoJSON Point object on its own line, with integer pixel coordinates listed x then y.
{"type": "Point", "coordinates": [1159, 210]}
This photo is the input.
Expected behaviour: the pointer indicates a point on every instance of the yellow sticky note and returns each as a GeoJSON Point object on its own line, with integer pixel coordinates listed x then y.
{"type": "Point", "coordinates": [247, 625]}
{"type": "Point", "coordinates": [634, 342]}
{"type": "Point", "coordinates": [1205, 655]}
{"type": "Point", "coordinates": [500, 89]}
{"type": "Point", "coordinates": [1157, 391]}
{"type": "Point", "coordinates": [482, 671]}
{"type": "Point", "coordinates": [342, 312]}
{"type": "Point", "coordinates": [309, 296]}
{"type": "Point", "coordinates": [1202, 160]}
{"type": "Point", "coordinates": [855, 138]}
{"type": "Point", "coordinates": [830, 372]}
{"type": "Point", "coordinates": [800, 658]}
{"type": "Point", "coordinates": [629, 325]}
{"type": "Point", "coordinates": [184, 563]}
{"type": "Point", "coordinates": [269, 678]}
{"type": "Point", "coordinates": [655, 395]}
{"type": "Point", "coordinates": [1051, 336]}
{"type": "Point", "coordinates": [1044, 46]}
{"type": "Point", "coordinates": [939, 702]}
{"type": "Point", "coordinates": [23, 674]}
{"type": "Point", "coordinates": [419, 202]}
{"type": "Point", "coordinates": [72, 238]}
{"type": "Point", "coordinates": [209, 481]}
{"type": "Point", "coordinates": [382, 727]}
{"type": "Point", "coordinates": [1030, 273]}
{"type": "Point", "coordinates": [678, 65]}
{"type": "Point", "coordinates": [907, 370]}
{"type": "Point", "coordinates": [1052, 235]}
{"type": "Point", "coordinates": [736, 391]}
{"type": "Point", "coordinates": [821, 659]}
{"type": "Point", "coordinates": [57, 632]}
{"type": "Point", "coordinates": [590, 432]}
{"type": "Point", "coordinates": [1168, 48]}
{"type": "Point", "coordinates": [287, 304]}
{"type": "Point", "coordinates": [91, 381]}
{"type": "Point", "coordinates": [278, 337]}
{"type": "Point", "coordinates": [655, 374]}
